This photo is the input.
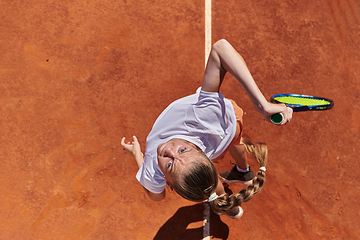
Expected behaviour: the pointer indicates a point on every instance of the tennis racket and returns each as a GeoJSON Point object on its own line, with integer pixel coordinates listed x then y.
{"type": "Point", "coordinates": [300, 103]}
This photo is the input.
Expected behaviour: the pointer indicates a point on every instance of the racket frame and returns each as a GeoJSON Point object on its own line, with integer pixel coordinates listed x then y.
{"type": "Point", "coordinates": [299, 107]}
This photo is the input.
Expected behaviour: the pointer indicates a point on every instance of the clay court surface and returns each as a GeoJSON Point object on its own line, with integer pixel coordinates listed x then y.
{"type": "Point", "coordinates": [76, 76]}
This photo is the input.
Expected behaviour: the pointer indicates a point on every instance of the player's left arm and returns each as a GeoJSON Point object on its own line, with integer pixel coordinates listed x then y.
{"type": "Point", "coordinates": [133, 148]}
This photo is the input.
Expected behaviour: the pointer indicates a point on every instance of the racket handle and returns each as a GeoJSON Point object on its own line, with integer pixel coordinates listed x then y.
{"type": "Point", "coordinates": [277, 118]}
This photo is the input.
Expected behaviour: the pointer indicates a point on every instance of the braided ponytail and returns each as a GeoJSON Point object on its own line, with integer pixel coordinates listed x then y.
{"type": "Point", "coordinates": [225, 202]}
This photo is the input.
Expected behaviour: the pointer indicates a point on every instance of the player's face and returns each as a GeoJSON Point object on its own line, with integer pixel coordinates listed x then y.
{"type": "Point", "coordinates": [175, 157]}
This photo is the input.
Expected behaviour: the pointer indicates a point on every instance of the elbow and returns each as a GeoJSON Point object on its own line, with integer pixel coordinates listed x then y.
{"type": "Point", "coordinates": [221, 44]}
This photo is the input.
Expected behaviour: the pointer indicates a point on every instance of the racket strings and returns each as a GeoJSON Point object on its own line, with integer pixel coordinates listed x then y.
{"type": "Point", "coordinates": [301, 101]}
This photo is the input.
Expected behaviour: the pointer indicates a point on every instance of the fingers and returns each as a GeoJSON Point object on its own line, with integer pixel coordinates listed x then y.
{"type": "Point", "coordinates": [132, 148]}
{"type": "Point", "coordinates": [290, 112]}
{"type": "Point", "coordinates": [123, 142]}
{"type": "Point", "coordinates": [280, 114]}
{"type": "Point", "coordinates": [129, 144]}
{"type": "Point", "coordinates": [287, 116]}
{"type": "Point", "coordinates": [125, 145]}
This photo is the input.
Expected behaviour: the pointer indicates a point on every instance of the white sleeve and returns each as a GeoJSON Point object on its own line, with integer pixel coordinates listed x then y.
{"type": "Point", "coordinates": [150, 176]}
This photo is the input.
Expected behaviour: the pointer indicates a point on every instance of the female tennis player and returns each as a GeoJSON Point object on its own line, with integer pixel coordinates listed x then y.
{"type": "Point", "coordinates": [199, 128]}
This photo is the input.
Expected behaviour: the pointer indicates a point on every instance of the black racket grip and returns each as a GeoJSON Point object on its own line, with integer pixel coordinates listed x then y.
{"type": "Point", "coordinates": [277, 118]}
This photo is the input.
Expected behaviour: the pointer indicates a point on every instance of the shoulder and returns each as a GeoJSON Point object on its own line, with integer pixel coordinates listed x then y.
{"type": "Point", "coordinates": [150, 175]}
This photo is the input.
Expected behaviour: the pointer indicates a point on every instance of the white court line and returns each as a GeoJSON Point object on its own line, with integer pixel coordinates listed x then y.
{"type": "Point", "coordinates": [206, 232]}
{"type": "Point", "coordinates": [207, 29]}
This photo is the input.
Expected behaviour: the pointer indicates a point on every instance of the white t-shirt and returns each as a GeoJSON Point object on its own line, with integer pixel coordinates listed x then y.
{"type": "Point", "coordinates": [204, 119]}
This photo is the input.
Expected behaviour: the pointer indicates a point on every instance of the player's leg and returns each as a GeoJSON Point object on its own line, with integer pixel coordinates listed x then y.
{"type": "Point", "coordinates": [238, 153]}
{"type": "Point", "coordinates": [241, 172]}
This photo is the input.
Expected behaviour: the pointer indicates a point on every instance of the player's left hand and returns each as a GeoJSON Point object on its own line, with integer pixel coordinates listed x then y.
{"type": "Point", "coordinates": [132, 148]}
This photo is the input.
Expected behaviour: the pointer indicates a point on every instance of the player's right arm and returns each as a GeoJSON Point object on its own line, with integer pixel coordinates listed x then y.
{"type": "Point", "coordinates": [224, 58]}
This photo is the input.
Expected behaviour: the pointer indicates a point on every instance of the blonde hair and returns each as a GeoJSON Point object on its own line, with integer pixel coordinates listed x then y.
{"type": "Point", "coordinates": [225, 202]}
{"type": "Point", "coordinates": [200, 181]}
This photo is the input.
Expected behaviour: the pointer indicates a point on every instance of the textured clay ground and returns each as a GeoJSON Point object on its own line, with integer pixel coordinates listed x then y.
{"type": "Point", "coordinates": [76, 76]}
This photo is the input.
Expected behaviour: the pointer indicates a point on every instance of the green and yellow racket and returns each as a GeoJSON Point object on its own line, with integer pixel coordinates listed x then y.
{"type": "Point", "coordinates": [300, 103]}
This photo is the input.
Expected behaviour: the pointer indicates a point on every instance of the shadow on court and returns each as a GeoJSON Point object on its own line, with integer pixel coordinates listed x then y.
{"type": "Point", "coordinates": [180, 225]}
